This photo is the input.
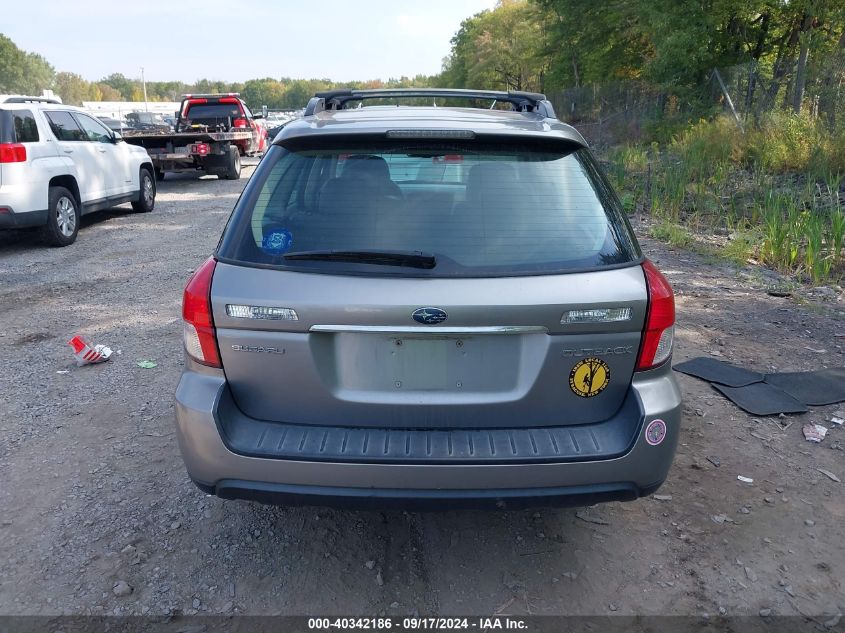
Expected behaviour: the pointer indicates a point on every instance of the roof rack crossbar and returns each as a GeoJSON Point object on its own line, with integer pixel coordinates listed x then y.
{"type": "Point", "coordinates": [520, 101]}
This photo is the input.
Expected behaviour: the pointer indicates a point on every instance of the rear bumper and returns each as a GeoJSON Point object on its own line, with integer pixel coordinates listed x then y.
{"type": "Point", "coordinates": [15, 205]}
{"type": "Point", "coordinates": [415, 499]}
{"type": "Point", "coordinates": [202, 398]}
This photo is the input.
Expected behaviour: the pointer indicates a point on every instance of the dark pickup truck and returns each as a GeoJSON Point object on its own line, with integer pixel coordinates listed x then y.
{"type": "Point", "coordinates": [212, 133]}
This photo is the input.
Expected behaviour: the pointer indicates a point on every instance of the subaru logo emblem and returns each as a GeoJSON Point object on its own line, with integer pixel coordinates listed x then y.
{"type": "Point", "coordinates": [429, 316]}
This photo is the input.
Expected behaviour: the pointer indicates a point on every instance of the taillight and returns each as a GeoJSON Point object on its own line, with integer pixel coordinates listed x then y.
{"type": "Point", "coordinates": [659, 329]}
{"type": "Point", "coordinates": [200, 148]}
{"type": "Point", "coordinates": [240, 123]}
{"type": "Point", "coordinates": [199, 334]}
{"type": "Point", "coordinates": [12, 153]}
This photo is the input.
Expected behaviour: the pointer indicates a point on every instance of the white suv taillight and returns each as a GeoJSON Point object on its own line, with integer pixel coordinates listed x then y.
{"type": "Point", "coordinates": [12, 153]}
{"type": "Point", "coordinates": [659, 329]}
{"type": "Point", "coordinates": [200, 337]}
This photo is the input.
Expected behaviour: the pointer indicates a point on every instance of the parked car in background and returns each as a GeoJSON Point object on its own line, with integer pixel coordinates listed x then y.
{"type": "Point", "coordinates": [148, 121]}
{"type": "Point", "coordinates": [58, 163]}
{"type": "Point", "coordinates": [115, 125]}
{"type": "Point", "coordinates": [274, 127]}
{"type": "Point", "coordinates": [428, 306]}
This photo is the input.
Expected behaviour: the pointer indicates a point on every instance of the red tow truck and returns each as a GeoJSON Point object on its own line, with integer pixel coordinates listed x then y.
{"type": "Point", "coordinates": [212, 132]}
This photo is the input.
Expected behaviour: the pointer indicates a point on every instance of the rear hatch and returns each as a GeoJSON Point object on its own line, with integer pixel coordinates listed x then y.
{"type": "Point", "coordinates": [429, 284]}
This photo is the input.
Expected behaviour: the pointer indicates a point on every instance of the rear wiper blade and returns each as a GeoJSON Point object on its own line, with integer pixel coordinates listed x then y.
{"type": "Point", "coordinates": [411, 259]}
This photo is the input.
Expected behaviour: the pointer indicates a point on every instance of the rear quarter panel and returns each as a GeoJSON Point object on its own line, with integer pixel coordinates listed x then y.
{"type": "Point", "coordinates": [28, 183]}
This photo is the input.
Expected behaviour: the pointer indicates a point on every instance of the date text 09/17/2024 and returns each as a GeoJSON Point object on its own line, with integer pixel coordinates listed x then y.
{"type": "Point", "coordinates": [486, 623]}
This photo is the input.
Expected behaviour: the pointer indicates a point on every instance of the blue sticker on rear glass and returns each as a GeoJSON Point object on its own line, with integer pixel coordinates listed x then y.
{"type": "Point", "coordinates": [277, 242]}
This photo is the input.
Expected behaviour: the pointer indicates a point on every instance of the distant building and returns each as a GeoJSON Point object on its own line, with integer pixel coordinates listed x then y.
{"type": "Point", "coordinates": [119, 109]}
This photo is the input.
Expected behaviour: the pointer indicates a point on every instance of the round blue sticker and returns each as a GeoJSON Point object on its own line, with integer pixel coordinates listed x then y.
{"type": "Point", "coordinates": [277, 242]}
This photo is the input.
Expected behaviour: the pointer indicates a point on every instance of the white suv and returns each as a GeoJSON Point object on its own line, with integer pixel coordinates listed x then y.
{"type": "Point", "coordinates": [58, 163]}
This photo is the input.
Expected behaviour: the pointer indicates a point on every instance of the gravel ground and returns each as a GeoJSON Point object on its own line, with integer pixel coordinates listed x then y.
{"type": "Point", "coordinates": [97, 515]}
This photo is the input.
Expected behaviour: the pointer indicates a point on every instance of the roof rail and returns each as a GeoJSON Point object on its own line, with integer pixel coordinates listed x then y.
{"type": "Point", "coordinates": [520, 101]}
{"type": "Point", "coordinates": [26, 99]}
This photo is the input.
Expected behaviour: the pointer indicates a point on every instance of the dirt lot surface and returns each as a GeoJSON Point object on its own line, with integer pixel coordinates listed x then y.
{"type": "Point", "coordinates": [93, 493]}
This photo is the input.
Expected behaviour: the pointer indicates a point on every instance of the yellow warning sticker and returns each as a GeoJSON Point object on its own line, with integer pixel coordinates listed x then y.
{"type": "Point", "coordinates": [589, 377]}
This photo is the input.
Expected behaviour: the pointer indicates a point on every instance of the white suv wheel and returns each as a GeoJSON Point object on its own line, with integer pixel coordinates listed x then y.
{"type": "Point", "coordinates": [66, 216]}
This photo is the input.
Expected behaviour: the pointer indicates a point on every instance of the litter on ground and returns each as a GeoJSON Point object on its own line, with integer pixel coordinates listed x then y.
{"type": "Point", "coordinates": [87, 354]}
{"type": "Point", "coordinates": [829, 475]}
{"type": "Point", "coordinates": [814, 432]}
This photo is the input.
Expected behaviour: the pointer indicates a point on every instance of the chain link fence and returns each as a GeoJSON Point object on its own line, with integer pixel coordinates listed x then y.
{"type": "Point", "coordinates": [630, 111]}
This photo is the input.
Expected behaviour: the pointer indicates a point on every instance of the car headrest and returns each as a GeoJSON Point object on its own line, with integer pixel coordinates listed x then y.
{"type": "Point", "coordinates": [363, 166]}
{"type": "Point", "coordinates": [491, 179]}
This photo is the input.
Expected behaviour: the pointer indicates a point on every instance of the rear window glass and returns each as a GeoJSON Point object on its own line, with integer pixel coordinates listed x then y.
{"type": "Point", "coordinates": [18, 126]}
{"type": "Point", "coordinates": [215, 111]}
{"type": "Point", "coordinates": [26, 131]}
{"type": "Point", "coordinates": [479, 209]}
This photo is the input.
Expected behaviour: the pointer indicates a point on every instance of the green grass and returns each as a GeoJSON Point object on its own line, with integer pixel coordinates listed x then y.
{"type": "Point", "coordinates": [774, 190]}
{"type": "Point", "coordinates": [741, 247]}
{"type": "Point", "coordinates": [673, 234]}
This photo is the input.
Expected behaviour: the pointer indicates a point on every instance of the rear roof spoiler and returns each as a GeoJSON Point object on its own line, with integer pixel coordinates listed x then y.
{"type": "Point", "coordinates": [520, 101]}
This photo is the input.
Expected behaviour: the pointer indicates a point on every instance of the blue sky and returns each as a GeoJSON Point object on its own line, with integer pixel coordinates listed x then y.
{"type": "Point", "coordinates": [234, 40]}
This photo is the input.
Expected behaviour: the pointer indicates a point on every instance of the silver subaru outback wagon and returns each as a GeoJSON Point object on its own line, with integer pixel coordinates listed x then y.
{"type": "Point", "coordinates": [428, 306]}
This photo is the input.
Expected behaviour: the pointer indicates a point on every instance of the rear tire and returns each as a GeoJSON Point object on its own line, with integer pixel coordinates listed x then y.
{"type": "Point", "coordinates": [233, 164]}
{"type": "Point", "coordinates": [63, 218]}
{"type": "Point", "coordinates": [146, 201]}
{"type": "Point", "coordinates": [159, 174]}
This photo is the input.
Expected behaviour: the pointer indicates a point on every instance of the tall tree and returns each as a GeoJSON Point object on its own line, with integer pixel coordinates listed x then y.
{"type": "Point", "coordinates": [502, 48]}
{"type": "Point", "coordinates": [73, 89]}
{"type": "Point", "coordinates": [22, 72]}
{"type": "Point", "coordinates": [120, 83]}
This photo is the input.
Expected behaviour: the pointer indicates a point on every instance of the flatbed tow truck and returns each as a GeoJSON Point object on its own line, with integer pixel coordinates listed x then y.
{"type": "Point", "coordinates": [212, 133]}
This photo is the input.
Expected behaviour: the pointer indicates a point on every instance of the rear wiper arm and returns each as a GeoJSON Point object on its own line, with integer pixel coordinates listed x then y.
{"type": "Point", "coordinates": [411, 259]}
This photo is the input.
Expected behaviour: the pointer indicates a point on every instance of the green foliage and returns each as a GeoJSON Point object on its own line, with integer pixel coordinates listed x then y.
{"type": "Point", "coordinates": [707, 147]}
{"type": "Point", "coordinates": [807, 240]}
{"type": "Point", "coordinates": [593, 42]}
{"type": "Point", "coordinates": [120, 83]}
{"type": "Point", "coordinates": [764, 189]}
{"type": "Point", "coordinates": [786, 142]}
{"type": "Point", "coordinates": [678, 43]}
{"type": "Point", "coordinates": [22, 72]}
{"type": "Point", "coordinates": [625, 160]}
{"type": "Point", "coordinates": [501, 49]}
{"type": "Point", "coordinates": [672, 233]}
{"type": "Point", "coordinates": [741, 246]}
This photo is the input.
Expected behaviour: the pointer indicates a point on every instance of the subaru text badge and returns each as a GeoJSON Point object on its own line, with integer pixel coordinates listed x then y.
{"type": "Point", "coordinates": [429, 316]}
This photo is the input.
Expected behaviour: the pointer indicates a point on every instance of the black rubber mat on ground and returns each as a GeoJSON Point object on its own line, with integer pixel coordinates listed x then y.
{"type": "Point", "coordinates": [825, 386]}
{"type": "Point", "coordinates": [761, 398]}
{"type": "Point", "coordinates": [718, 371]}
